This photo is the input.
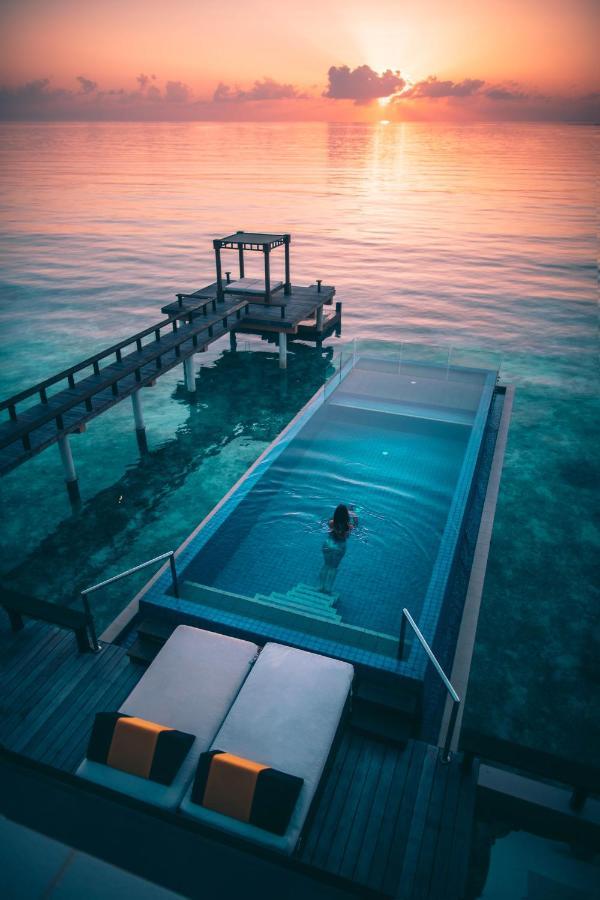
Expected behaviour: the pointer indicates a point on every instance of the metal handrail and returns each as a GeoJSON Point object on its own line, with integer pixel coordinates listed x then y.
{"type": "Point", "coordinates": [406, 617]}
{"type": "Point", "coordinates": [170, 554]}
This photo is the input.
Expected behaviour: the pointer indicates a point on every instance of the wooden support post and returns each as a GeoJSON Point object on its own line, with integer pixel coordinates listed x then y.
{"type": "Point", "coordinates": [338, 312]}
{"type": "Point", "coordinates": [217, 246]}
{"type": "Point", "coordinates": [138, 418]}
{"type": "Point", "coordinates": [282, 350]}
{"type": "Point", "coordinates": [69, 470]}
{"type": "Point", "coordinates": [241, 259]}
{"type": "Point", "coordinates": [266, 252]}
{"type": "Point", "coordinates": [320, 318]}
{"type": "Point", "coordinates": [190, 378]}
{"type": "Point", "coordinates": [232, 341]}
{"type": "Point", "coordinates": [287, 288]}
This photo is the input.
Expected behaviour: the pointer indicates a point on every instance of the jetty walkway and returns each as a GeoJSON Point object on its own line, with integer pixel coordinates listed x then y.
{"type": "Point", "coordinates": [48, 412]}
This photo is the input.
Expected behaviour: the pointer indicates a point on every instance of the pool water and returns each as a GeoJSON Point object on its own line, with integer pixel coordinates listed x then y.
{"type": "Point", "coordinates": [399, 474]}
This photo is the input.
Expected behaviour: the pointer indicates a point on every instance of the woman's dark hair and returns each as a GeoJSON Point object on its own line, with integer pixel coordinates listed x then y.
{"type": "Point", "coordinates": [341, 519]}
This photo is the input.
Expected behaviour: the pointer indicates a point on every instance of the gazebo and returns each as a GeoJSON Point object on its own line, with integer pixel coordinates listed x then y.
{"type": "Point", "coordinates": [257, 242]}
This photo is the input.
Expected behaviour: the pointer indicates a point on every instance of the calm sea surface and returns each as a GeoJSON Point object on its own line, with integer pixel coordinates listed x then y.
{"type": "Point", "coordinates": [479, 237]}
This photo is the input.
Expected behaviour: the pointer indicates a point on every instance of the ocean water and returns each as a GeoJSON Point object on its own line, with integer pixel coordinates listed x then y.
{"type": "Point", "coordinates": [475, 238]}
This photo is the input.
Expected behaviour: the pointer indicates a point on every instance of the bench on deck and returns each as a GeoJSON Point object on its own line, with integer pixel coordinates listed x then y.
{"type": "Point", "coordinates": [18, 605]}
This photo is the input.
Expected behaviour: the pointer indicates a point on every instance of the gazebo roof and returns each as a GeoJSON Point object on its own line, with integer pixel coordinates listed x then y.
{"type": "Point", "coordinates": [252, 240]}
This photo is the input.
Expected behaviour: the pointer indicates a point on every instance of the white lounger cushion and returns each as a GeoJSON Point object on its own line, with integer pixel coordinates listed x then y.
{"type": "Point", "coordinates": [189, 686]}
{"type": "Point", "coordinates": [285, 716]}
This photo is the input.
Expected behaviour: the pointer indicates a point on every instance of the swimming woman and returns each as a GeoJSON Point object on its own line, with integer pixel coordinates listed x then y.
{"type": "Point", "coordinates": [334, 546]}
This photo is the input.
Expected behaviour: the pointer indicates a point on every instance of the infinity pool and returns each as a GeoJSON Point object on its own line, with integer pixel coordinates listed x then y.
{"type": "Point", "coordinates": [396, 441]}
{"type": "Point", "coordinates": [398, 472]}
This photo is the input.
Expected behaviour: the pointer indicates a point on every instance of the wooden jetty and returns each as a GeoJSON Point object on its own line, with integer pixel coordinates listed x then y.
{"type": "Point", "coordinates": [277, 309]}
{"type": "Point", "coordinates": [48, 412]}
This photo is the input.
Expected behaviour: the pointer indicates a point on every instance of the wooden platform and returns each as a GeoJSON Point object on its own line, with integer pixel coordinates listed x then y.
{"type": "Point", "coordinates": [51, 692]}
{"type": "Point", "coordinates": [390, 821]}
{"type": "Point", "coordinates": [394, 821]}
{"type": "Point", "coordinates": [284, 313]}
{"type": "Point", "coordinates": [90, 389]}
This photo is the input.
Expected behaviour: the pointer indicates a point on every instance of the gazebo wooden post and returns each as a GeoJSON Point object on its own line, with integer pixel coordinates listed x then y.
{"type": "Point", "coordinates": [287, 289]}
{"type": "Point", "coordinates": [217, 246]}
{"type": "Point", "coordinates": [241, 256]}
{"type": "Point", "coordinates": [266, 251]}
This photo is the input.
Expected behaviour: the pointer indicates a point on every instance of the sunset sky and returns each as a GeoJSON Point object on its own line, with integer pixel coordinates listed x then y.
{"type": "Point", "coordinates": [336, 60]}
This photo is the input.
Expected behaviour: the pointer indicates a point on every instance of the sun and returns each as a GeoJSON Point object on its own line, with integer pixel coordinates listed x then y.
{"type": "Point", "coordinates": [383, 101]}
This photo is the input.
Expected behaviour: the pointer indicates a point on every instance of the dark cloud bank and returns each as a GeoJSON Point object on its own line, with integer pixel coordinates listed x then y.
{"type": "Point", "coordinates": [174, 100]}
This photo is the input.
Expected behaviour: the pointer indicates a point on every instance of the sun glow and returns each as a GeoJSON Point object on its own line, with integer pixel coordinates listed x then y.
{"type": "Point", "coordinates": [383, 101]}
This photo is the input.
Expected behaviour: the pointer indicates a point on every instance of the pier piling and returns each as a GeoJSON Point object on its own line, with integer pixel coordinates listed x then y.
{"type": "Point", "coordinates": [138, 417]}
{"type": "Point", "coordinates": [190, 378]}
{"type": "Point", "coordinates": [282, 350]}
{"type": "Point", "coordinates": [69, 470]}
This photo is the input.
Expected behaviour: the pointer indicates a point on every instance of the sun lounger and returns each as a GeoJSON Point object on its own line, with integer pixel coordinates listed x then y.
{"type": "Point", "coordinates": [190, 686]}
{"type": "Point", "coordinates": [285, 717]}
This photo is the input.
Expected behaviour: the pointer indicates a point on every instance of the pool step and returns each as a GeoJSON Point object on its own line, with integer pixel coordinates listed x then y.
{"type": "Point", "coordinates": [306, 599]}
{"type": "Point", "coordinates": [287, 601]}
{"type": "Point", "coordinates": [306, 620]}
{"type": "Point", "coordinates": [311, 593]}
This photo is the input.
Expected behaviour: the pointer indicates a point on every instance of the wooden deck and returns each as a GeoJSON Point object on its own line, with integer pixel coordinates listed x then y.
{"type": "Point", "coordinates": [51, 692]}
{"type": "Point", "coordinates": [394, 821]}
{"type": "Point", "coordinates": [390, 821]}
{"type": "Point", "coordinates": [157, 349]}
{"type": "Point", "coordinates": [284, 313]}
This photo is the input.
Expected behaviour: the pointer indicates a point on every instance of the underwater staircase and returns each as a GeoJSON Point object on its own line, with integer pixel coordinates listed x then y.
{"type": "Point", "coordinates": [305, 599]}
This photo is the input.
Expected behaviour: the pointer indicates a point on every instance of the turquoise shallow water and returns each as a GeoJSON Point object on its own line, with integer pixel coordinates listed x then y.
{"type": "Point", "coordinates": [477, 236]}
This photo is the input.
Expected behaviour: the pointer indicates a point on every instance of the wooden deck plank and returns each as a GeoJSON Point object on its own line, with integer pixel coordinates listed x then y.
{"type": "Point", "coordinates": [438, 841]}
{"type": "Point", "coordinates": [67, 696]}
{"type": "Point", "coordinates": [405, 775]}
{"type": "Point", "coordinates": [16, 677]}
{"type": "Point", "coordinates": [364, 810]}
{"type": "Point", "coordinates": [428, 805]}
{"type": "Point", "coordinates": [462, 834]}
{"type": "Point", "coordinates": [311, 839]}
{"type": "Point", "coordinates": [410, 820]}
{"type": "Point", "coordinates": [364, 858]}
{"type": "Point", "coordinates": [20, 692]}
{"type": "Point", "coordinates": [52, 683]}
{"type": "Point", "coordinates": [74, 715]}
{"type": "Point", "coordinates": [47, 712]}
{"type": "Point", "coordinates": [354, 795]}
{"type": "Point", "coordinates": [70, 756]}
{"type": "Point", "coordinates": [85, 702]}
{"type": "Point", "coordinates": [13, 645]}
{"type": "Point", "coordinates": [332, 819]}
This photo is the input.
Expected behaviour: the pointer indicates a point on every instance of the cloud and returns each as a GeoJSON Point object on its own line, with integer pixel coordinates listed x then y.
{"type": "Point", "coordinates": [38, 100]}
{"type": "Point", "coordinates": [87, 85]}
{"type": "Point", "coordinates": [433, 88]}
{"type": "Point", "coordinates": [361, 84]}
{"type": "Point", "coordinates": [265, 89]}
{"type": "Point", "coordinates": [176, 92]}
{"type": "Point", "coordinates": [502, 93]}
{"type": "Point", "coordinates": [148, 99]}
